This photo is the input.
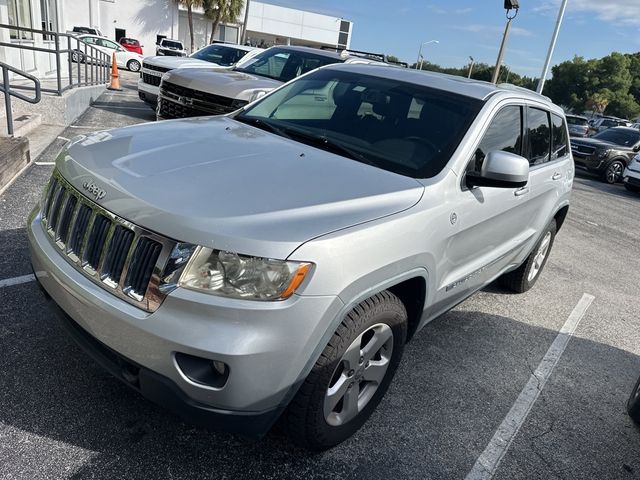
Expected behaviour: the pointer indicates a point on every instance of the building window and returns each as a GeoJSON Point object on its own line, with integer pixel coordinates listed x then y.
{"type": "Point", "coordinates": [343, 36]}
{"type": "Point", "coordinates": [20, 16]}
{"type": "Point", "coordinates": [49, 13]}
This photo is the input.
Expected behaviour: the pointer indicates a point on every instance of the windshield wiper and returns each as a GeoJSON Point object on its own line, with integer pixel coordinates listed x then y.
{"type": "Point", "coordinates": [326, 143]}
{"type": "Point", "coordinates": [259, 123]}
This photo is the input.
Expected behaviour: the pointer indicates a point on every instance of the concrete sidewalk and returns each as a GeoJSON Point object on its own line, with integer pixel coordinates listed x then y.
{"type": "Point", "coordinates": [110, 110]}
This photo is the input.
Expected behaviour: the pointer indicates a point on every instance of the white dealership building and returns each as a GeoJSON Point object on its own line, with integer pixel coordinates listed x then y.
{"type": "Point", "coordinates": [150, 20]}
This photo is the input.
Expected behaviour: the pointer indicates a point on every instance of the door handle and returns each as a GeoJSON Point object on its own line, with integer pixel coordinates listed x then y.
{"type": "Point", "coordinates": [556, 176]}
{"type": "Point", "coordinates": [521, 191]}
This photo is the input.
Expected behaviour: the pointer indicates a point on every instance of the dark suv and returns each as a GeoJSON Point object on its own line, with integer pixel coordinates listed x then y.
{"type": "Point", "coordinates": [607, 153]}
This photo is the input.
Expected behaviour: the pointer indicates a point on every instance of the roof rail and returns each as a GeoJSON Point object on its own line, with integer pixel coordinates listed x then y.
{"type": "Point", "coordinates": [515, 88]}
{"type": "Point", "coordinates": [381, 57]}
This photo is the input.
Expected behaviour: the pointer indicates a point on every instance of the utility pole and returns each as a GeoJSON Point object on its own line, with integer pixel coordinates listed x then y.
{"type": "Point", "coordinates": [552, 46]}
{"type": "Point", "coordinates": [243, 40]}
{"type": "Point", "coordinates": [508, 6]}
{"type": "Point", "coordinates": [471, 66]}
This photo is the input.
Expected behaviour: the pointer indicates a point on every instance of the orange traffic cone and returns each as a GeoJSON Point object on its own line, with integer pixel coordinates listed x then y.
{"type": "Point", "coordinates": [115, 77]}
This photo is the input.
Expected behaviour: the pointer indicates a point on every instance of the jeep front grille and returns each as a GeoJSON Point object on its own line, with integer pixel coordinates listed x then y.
{"type": "Point", "coordinates": [121, 257]}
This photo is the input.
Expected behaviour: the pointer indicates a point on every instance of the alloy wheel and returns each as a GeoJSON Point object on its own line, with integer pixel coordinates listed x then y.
{"type": "Point", "coordinates": [614, 172]}
{"type": "Point", "coordinates": [358, 374]}
{"type": "Point", "coordinates": [539, 257]}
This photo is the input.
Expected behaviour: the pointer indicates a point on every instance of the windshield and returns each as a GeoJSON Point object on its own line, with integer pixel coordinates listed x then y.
{"type": "Point", "coordinates": [627, 138]}
{"type": "Point", "coordinates": [400, 127]}
{"type": "Point", "coordinates": [577, 121]}
{"type": "Point", "coordinates": [284, 65]}
{"type": "Point", "coordinates": [220, 54]}
{"type": "Point", "coordinates": [131, 41]}
{"type": "Point", "coordinates": [170, 44]}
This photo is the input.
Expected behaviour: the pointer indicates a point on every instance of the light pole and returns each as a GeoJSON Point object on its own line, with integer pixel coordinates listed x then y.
{"type": "Point", "coordinates": [552, 46]}
{"type": "Point", "coordinates": [471, 66]}
{"type": "Point", "coordinates": [508, 6]}
{"type": "Point", "coordinates": [420, 57]}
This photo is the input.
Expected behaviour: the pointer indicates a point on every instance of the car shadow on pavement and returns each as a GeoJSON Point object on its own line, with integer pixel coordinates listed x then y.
{"type": "Point", "coordinates": [585, 178]}
{"type": "Point", "coordinates": [457, 381]}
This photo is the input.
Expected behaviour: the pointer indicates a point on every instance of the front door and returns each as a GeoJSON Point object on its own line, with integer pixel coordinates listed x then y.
{"type": "Point", "coordinates": [493, 223]}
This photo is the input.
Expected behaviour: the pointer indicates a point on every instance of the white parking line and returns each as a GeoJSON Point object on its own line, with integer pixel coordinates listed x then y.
{"type": "Point", "coordinates": [8, 282]}
{"type": "Point", "coordinates": [488, 462]}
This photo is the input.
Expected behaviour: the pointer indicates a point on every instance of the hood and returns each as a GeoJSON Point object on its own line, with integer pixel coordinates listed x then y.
{"type": "Point", "coordinates": [595, 143]}
{"type": "Point", "coordinates": [177, 62]}
{"type": "Point", "coordinates": [219, 81]}
{"type": "Point", "coordinates": [216, 182]}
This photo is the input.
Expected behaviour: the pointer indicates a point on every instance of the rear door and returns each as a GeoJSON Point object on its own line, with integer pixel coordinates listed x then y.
{"type": "Point", "coordinates": [547, 149]}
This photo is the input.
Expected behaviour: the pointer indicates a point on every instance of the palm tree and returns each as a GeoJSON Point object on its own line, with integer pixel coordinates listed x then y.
{"type": "Point", "coordinates": [218, 11]}
{"type": "Point", "coordinates": [190, 5]}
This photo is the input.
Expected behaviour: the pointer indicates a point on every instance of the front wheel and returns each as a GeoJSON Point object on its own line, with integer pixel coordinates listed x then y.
{"type": "Point", "coordinates": [633, 404]}
{"type": "Point", "coordinates": [613, 173]}
{"type": "Point", "coordinates": [351, 376]}
{"type": "Point", "coordinates": [525, 276]}
{"type": "Point", "coordinates": [134, 65]}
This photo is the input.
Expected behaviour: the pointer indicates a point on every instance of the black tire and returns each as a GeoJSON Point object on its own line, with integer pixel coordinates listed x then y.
{"type": "Point", "coordinates": [633, 404]}
{"type": "Point", "coordinates": [518, 280]}
{"type": "Point", "coordinates": [632, 188]}
{"type": "Point", "coordinates": [77, 56]}
{"type": "Point", "coordinates": [613, 173]}
{"type": "Point", "coordinates": [304, 421]}
{"type": "Point", "coordinates": [134, 65]}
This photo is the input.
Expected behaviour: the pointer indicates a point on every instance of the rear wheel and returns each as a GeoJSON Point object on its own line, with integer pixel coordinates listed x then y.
{"type": "Point", "coordinates": [633, 404]}
{"type": "Point", "coordinates": [133, 65]}
{"type": "Point", "coordinates": [613, 172]}
{"type": "Point", "coordinates": [525, 276]}
{"type": "Point", "coordinates": [351, 375]}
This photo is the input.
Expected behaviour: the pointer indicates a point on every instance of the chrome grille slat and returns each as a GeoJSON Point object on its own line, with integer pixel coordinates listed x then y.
{"type": "Point", "coordinates": [123, 258]}
{"type": "Point", "coordinates": [65, 220]}
{"type": "Point", "coordinates": [96, 242]}
{"type": "Point", "coordinates": [54, 212]}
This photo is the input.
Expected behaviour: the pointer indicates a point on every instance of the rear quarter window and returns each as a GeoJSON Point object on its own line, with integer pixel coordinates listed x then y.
{"type": "Point", "coordinates": [559, 137]}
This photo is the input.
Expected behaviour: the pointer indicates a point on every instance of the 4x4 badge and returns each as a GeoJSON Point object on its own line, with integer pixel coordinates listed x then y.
{"type": "Point", "coordinates": [94, 189]}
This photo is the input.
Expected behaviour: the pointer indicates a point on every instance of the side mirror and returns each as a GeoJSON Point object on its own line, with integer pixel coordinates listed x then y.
{"type": "Point", "coordinates": [501, 170]}
{"type": "Point", "coordinates": [636, 148]}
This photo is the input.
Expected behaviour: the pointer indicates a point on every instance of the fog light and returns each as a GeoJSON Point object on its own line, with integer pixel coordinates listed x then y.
{"type": "Point", "coordinates": [211, 373]}
{"type": "Point", "coordinates": [219, 367]}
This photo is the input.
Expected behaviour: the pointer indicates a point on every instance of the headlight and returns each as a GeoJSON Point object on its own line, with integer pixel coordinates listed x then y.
{"type": "Point", "coordinates": [239, 276]}
{"type": "Point", "coordinates": [603, 153]}
{"type": "Point", "coordinates": [257, 94]}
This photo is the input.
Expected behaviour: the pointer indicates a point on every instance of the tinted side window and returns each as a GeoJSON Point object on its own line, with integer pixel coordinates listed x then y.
{"type": "Point", "coordinates": [504, 133]}
{"type": "Point", "coordinates": [539, 136]}
{"type": "Point", "coordinates": [559, 134]}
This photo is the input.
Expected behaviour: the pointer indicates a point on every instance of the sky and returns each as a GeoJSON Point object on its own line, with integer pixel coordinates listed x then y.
{"type": "Point", "coordinates": [591, 29]}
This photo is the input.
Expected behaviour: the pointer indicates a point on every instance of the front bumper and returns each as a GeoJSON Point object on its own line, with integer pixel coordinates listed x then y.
{"type": "Point", "coordinates": [268, 346]}
{"type": "Point", "coordinates": [589, 162]}
{"type": "Point", "coordinates": [148, 93]}
{"type": "Point", "coordinates": [631, 177]}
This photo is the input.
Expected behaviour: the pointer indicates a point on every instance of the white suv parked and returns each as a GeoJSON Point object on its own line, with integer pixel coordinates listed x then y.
{"type": "Point", "coordinates": [214, 55]}
{"type": "Point", "coordinates": [276, 260]}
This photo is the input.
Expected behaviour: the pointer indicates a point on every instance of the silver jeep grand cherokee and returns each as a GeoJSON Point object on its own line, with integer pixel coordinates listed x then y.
{"type": "Point", "coordinates": [273, 262]}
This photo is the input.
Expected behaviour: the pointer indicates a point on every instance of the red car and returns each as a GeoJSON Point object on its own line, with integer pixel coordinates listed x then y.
{"type": "Point", "coordinates": [131, 44]}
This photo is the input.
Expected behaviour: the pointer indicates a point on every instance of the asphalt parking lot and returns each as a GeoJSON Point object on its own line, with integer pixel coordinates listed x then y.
{"type": "Point", "coordinates": [62, 416]}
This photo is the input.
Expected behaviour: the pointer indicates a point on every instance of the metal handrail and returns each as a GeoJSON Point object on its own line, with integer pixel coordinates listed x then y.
{"type": "Point", "coordinates": [96, 62]}
{"type": "Point", "coordinates": [5, 88]}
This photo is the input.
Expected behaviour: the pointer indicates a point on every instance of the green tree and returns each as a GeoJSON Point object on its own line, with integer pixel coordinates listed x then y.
{"type": "Point", "coordinates": [226, 11]}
